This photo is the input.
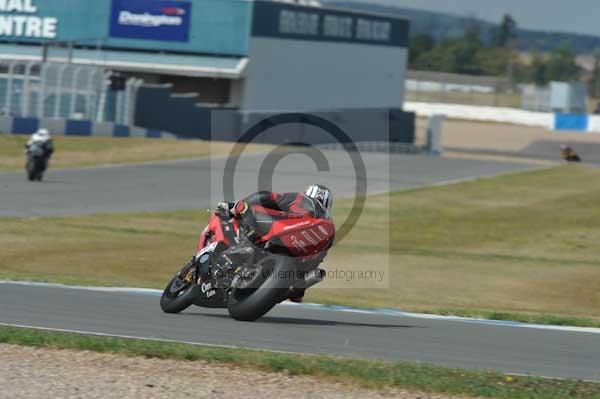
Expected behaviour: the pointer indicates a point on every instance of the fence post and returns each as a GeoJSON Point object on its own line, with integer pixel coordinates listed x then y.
{"type": "Point", "coordinates": [91, 93]}
{"type": "Point", "coordinates": [131, 100]}
{"type": "Point", "coordinates": [59, 80]}
{"type": "Point", "coordinates": [9, 87]}
{"type": "Point", "coordinates": [100, 115]}
{"type": "Point", "coordinates": [74, 86]}
{"type": "Point", "coordinates": [42, 91]}
{"type": "Point", "coordinates": [25, 96]}
{"type": "Point", "coordinates": [434, 134]}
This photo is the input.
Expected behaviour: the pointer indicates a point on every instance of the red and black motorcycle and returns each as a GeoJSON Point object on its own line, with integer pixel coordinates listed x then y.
{"type": "Point", "coordinates": [249, 270]}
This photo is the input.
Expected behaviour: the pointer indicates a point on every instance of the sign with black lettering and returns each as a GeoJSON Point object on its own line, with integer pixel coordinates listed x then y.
{"type": "Point", "coordinates": [288, 21]}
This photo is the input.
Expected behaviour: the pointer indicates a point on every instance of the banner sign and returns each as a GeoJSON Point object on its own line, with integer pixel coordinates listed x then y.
{"type": "Point", "coordinates": [164, 20]}
{"type": "Point", "coordinates": [18, 19]}
{"type": "Point", "coordinates": [287, 21]}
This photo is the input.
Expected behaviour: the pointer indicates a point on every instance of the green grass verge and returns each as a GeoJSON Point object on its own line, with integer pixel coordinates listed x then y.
{"type": "Point", "coordinates": [370, 374]}
{"type": "Point", "coordinates": [73, 151]}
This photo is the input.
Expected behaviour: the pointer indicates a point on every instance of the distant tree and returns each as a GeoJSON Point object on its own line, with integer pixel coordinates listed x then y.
{"type": "Point", "coordinates": [464, 56]}
{"type": "Point", "coordinates": [561, 65]}
{"type": "Point", "coordinates": [474, 53]}
{"type": "Point", "coordinates": [538, 70]}
{"type": "Point", "coordinates": [419, 45]}
{"type": "Point", "coordinates": [595, 81]}
{"type": "Point", "coordinates": [472, 31]}
{"type": "Point", "coordinates": [493, 60]}
{"type": "Point", "coordinates": [451, 55]}
{"type": "Point", "coordinates": [506, 32]}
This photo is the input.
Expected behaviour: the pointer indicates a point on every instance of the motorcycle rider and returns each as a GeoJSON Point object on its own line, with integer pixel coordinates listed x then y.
{"type": "Point", "coordinates": [42, 139]}
{"type": "Point", "coordinates": [569, 154]}
{"type": "Point", "coordinates": [316, 201]}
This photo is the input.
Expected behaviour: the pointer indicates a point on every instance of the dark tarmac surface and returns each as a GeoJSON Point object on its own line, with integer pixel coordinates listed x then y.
{"type": "Point", "coordinates": [293, 328]}
{"type": "Point", "coordinates": [199, 183]}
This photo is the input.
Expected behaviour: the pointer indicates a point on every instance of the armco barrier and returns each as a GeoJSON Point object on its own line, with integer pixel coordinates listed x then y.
{"type": "Point", "coordinates": [68, 127]}
{"type": "Point", "coordinates": [594, 123]}
{"type": "Point", "coordinates": [571, 122]}
{"type": "Point", "coordinates": [78, 128]}
{"type": "Point", "coordinates": [553, 121]}
{"type": "Point", "coordinates": [393, 126]}
{"type": "Point", "coordinates": [25, 125]}
{"type": "Point", "coordinates": [577, 123]}
{"type": "Point", "coordinates": [483, 114]}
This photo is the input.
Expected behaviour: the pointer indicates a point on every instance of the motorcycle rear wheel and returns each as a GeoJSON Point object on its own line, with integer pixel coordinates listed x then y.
{"type": "Point", "coordinates": [251, 304]}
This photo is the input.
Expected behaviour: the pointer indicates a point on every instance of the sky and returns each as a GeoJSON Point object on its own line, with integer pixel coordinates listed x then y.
{"type": "Point", "coordinates": [577, 16]}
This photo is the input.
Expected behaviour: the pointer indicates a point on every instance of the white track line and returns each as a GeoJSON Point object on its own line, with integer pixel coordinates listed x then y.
{"type": "Point", "coordinates": [316, 306]}
{"type": "Point", "coordinates": [62, 330]}
{"type": "Point", "coordinates": [66, 330]}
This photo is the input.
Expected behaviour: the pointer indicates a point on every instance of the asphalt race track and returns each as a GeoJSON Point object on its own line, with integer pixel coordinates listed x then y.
{"type": "Point", "coordinates": [294, 328]}
{"type": "Point", "coordinates": [199, 183]}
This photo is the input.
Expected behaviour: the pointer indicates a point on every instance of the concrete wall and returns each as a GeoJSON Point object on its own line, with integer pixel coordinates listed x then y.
{"type": "Point", "coordinates": [355, 125]}
{"type": "Point", "coordinates": [298, 74]}
{"type": "Point", "coordinates": [315, 58]}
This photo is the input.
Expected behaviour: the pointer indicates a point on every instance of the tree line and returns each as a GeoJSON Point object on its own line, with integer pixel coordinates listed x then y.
{"type": "Point", "coordinates": [497, 56]}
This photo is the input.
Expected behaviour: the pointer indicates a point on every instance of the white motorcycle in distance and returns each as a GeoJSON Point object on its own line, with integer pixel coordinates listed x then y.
{"type": "Point", "coordinates": [38, 150]}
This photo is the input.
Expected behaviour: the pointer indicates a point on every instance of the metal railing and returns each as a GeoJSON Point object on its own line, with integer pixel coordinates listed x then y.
{"type": "Point", "coordinates": [64, 90]}
{"type": "Point", "coordinates": [423, 86]}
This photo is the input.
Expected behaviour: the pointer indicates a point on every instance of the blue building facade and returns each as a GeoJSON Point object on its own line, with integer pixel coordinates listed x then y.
{"type": "Point", "coordinates": [197, 27]}
{"type": "Point", "coordinates": [194, 55]}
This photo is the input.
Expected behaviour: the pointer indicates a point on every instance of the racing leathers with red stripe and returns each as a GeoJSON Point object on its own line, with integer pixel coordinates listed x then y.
{"type": "Point", "coordinates": [271, 204]}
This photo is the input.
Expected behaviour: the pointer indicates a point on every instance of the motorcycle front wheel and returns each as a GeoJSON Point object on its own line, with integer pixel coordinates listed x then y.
{"type": "Point", "coordinates": [180, 293]}
{"type": "Point", "coordinates": [30, 169]}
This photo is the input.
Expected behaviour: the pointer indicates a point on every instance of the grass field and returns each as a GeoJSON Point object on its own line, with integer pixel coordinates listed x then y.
{"type": "Point", "coordinates": [454, 97]}
{"type": "Point", "coordinates": [91, 151]}
{"type": "Point", "coordinates": [370, 374]}
{"type": "Point", "coordinates": [520, 246]}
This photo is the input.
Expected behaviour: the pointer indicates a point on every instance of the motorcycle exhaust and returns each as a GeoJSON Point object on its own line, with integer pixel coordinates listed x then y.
{"type": "Point", "coordinates": [313, 277]}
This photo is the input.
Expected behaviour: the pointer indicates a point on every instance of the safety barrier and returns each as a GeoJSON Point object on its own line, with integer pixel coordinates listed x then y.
{"type": "Point", "coordinates": [483, 114]}
{"type": "Point", "coordinates": [377, 146]}
{"type": "Point", "coordinates": [383, 130]}
{"type": "Point", "coordinates": [554, 121]}
{"type": "Point", "coordinates": [577, 123]}
{"type": "Point", "coordinates": [70, 127]}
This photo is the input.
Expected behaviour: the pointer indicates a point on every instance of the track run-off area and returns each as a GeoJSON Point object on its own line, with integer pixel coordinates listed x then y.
{"type": "Point", "coordinates": [383, 335]}
{"type": "Point", "coordinates": [387, 335]}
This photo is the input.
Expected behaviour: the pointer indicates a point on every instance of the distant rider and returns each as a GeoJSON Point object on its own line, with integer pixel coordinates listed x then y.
{"type": "Point", "coordinates": [569, 154]}
{"type": "Point", "coordinates": [42, 139]}
{"type": "Point", "coordinates": [316, 201]}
